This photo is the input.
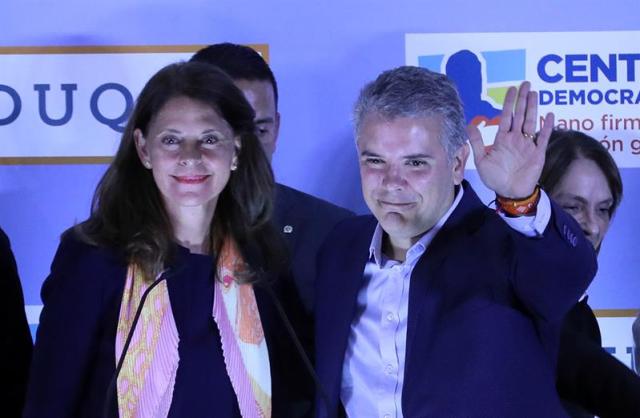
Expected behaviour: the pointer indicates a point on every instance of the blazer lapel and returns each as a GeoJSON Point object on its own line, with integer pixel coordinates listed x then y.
{"type": "Point", "coordinates": [334, 317]}
{"type": "Point", "coordinates": [350, 282]}
{"type": "Point", "coordinates": [425, 292]}
{"type": "Point", "coordinates": [424, 300]}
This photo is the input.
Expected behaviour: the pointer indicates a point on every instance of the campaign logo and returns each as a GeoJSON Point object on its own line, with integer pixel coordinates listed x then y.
{"type": "Point", "coordinates": [482, 79]}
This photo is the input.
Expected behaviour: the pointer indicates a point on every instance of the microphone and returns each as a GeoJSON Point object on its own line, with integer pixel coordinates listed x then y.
{"type": "Point", "coordinates": [111, 389]}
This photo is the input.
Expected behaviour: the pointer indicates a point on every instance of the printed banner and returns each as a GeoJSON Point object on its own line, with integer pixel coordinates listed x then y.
{"type": "Point", "coordinates": [588, 79]}
{"type": "Point", "coordinates": [617, 337]}
{"type": "Point", "coordinates": [74, 101]}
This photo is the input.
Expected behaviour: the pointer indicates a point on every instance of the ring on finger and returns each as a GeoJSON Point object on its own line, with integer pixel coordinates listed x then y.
{"type": "Point", "coordinates": [528, 135]}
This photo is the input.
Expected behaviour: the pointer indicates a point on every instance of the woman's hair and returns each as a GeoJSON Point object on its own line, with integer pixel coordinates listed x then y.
{"type": "Point", "coordinates": [128, 212]}
{"type": "Point", "coordinates": [566, 146]}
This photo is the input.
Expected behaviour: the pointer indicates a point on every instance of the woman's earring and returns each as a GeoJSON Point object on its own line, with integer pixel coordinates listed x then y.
{"type": "Point", "coordinates": [147, 163]}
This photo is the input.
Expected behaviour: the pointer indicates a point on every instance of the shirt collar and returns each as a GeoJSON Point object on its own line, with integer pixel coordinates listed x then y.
{"type": "Point", "coordinates": [417, 249]}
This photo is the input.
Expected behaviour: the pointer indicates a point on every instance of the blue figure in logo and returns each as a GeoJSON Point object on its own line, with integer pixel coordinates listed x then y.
{"type": "Point", "coordinates": [464, 69]}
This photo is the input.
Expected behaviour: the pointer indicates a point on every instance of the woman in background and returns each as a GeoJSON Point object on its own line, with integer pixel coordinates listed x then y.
{"type": "Point", "coordinates": [582, 177]}
{"type": "Point", "coordinates": [183, 209]}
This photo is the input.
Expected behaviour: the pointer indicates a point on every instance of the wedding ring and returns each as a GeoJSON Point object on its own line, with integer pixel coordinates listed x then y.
{"type": "Point", "coordinates": [529, 136]}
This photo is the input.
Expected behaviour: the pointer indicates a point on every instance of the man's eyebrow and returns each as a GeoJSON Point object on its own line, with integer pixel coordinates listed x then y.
{"type": "Point", "coordinates": [263, 120]}
{"type": "Point", "coordinates": [366, 153]}
{"type": "Point", "coordinates": [416, 156]}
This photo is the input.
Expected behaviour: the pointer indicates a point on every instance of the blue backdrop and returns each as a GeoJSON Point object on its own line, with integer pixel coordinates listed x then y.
{"type": "Point", "coordinates": [321, 53]}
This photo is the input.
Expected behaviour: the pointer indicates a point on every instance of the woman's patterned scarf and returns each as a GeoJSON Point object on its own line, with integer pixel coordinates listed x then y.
{"type": "Point", "coordinates": [147, 378]}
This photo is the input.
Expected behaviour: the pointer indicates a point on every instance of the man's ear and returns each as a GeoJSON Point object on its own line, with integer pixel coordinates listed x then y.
{"type": "Point", "coordinates": [459, 162]}
{"type": "Point", "coordinates": [141, 148]}
{"type": "Point", "coordinates": [276, 130]}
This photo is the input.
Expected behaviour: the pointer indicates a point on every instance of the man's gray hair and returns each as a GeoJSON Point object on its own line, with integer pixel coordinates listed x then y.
{"type": "Point", "coordinates": [415, 92]}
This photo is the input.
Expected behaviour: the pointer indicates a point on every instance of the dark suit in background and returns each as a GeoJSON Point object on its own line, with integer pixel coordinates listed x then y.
{"type": "Point", "coordinates": [16, 345]}
{"type": "Point", "coordinates": [304, 221]}
{"type": "Point", "coordinates": [590, 376]}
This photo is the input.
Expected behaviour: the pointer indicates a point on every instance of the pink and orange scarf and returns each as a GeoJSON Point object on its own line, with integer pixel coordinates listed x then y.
{"type": "Point", "coordinates": [146, 381]}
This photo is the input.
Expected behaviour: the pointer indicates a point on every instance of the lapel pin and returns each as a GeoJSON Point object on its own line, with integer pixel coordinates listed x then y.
{"type": "Point", "coordinates": [287, 229]}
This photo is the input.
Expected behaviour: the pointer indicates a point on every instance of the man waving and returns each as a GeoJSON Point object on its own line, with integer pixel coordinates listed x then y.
{"type": "Point", "coordinates": [437, 306]}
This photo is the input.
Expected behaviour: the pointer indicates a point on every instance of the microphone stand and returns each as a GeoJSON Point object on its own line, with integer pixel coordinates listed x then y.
{"type": "Point", "coordinates": [111, 389]}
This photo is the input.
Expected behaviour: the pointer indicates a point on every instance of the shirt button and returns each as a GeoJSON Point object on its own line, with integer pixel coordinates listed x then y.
{"type": "Point", "coordinates": [390, 316]}
{"type": "Point", "coordinates": [388, 369]}
{"type": "Point", "coordinates": [387, 416]}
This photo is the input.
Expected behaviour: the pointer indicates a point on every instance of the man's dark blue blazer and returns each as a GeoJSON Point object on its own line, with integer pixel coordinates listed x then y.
{"type": "Point", "coordinates": [304, 221]}
{"type": "Point", "coordinates": [485, 307]}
